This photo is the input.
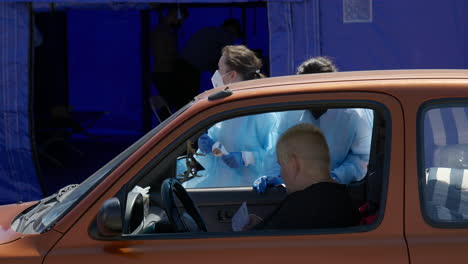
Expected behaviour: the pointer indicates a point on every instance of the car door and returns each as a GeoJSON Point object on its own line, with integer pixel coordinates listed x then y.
{"type": "Point", "coordinates": [380, 242]}
{"type": "Point", "coordinates": [218, 205]}
{"type": "Point", "coordinates": [436, 185]}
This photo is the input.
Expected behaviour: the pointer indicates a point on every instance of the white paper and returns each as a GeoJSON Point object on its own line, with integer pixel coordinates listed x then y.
{"type": "Point", "coordinates": [241, 218]}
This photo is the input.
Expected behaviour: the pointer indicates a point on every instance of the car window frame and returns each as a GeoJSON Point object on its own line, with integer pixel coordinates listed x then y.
{"type": "Point", "coordinates": [258, 109]}
{"type": "Point", "coordinates": [421, 157]}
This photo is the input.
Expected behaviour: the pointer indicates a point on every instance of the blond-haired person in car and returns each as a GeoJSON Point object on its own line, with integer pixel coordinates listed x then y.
{"type": "Point", "coordinates": [314, 200]}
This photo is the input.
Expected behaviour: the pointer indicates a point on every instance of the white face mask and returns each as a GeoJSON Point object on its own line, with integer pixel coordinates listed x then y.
{"type": "Point", "coordinates": [217, 79]}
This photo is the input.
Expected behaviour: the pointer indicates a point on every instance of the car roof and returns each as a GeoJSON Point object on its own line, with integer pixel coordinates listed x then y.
{"type": "Point", "coordinates": [381, 75]}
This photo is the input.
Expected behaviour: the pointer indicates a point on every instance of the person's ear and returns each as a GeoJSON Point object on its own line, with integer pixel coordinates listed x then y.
{"type": "Point", "coordinates": [234, 76]}
{"type": "Point", "coordinates": [227, 78]}
{"type": "Point", "coordinates": [295, 166]}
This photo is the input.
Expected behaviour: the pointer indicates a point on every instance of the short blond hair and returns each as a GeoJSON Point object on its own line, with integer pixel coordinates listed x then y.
{"type": "Point", "coordinates": [308, 143]}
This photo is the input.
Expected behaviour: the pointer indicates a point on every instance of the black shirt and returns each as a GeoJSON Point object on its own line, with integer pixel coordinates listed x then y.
{"type": "Point", "coordinates": [321, 205]}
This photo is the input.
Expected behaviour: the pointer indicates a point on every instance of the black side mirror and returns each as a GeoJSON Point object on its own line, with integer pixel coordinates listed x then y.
{"type": "Point", "coordinates": [109, 218]}
{"type": "Point", "coordinates": [110, 221]}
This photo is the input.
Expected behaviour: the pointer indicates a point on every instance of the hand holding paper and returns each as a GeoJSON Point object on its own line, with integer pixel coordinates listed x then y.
{"type": "Point", "coordinates": [241, 218]}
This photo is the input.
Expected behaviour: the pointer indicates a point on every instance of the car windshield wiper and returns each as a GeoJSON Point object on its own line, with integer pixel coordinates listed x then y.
{"type": "Point", "coordinates": [43, 205]}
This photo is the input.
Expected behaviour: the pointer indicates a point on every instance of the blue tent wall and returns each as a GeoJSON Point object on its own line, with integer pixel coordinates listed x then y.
{"type": "Point", "coordinates": [18, 179]}
{"type": "Point", "coordinates": [417, 34]}
{"type": "Point", "coordinates": [294, 34]}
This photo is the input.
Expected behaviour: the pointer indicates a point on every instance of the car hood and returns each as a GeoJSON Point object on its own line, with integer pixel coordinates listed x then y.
{"type": "Point", "coordinates": [8, 213]}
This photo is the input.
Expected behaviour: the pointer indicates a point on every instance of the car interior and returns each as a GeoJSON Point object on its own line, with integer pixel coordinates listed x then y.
{"type": "Point", "coordinates": [156, 201]}
{"type": "Point", "coordinates": [444, 185]}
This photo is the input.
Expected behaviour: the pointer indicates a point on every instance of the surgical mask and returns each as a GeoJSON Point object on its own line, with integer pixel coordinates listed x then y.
{"type": "Point", "coordinates": [217, 79]}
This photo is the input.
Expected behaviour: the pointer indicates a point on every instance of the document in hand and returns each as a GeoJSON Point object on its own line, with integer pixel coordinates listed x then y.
{"type": "Point", "coordinates": [241, 218]}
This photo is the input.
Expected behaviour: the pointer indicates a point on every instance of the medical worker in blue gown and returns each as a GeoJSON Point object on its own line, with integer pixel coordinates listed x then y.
{"type": "Point", "coordinates": [348, 133]}
{"type": "Point", "coordinates": [241, 149]}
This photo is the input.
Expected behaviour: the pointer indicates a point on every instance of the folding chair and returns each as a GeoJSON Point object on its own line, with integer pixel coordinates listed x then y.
{"type": "Point", "coordinates": [158, 104]}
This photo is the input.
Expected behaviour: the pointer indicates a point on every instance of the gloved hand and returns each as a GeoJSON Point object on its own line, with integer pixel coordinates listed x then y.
{"type": "Point", "coordinates": [205, 143]}
{"type": "Point", "coordinates": [261, 184]}
{"type": "Point", "coordinates": [233, 159]}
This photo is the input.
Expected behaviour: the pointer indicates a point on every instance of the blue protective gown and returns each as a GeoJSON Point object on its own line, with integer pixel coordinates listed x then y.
{"type": "Point", "coordinates": [254, 134]}
{"type": "Point", "coordinates": [348, 133]}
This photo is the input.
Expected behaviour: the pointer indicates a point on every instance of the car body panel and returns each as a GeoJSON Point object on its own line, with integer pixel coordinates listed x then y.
{"type": "Point", "coordinates": [401, 236]}
{"type": "Point", "coordinates": [428, 244]}
{"type": "Point", "coordinates": [31, 248]}
{"type": "Point", "coordinates": [386, 242]}
{"type": "Point", "coordinates": [9, 213]}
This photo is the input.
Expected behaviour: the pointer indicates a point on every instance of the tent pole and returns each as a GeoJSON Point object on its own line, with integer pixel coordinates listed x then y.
{"type": "Point", "coordinates": [145, 69]}
{"type": "Point", "coordinates": [31, 113]}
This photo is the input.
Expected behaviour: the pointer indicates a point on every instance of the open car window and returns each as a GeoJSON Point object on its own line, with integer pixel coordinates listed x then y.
{"type": "Point", "coordinates": [217, 167]}
{"type": "Point", "coordinates": [237, 151]}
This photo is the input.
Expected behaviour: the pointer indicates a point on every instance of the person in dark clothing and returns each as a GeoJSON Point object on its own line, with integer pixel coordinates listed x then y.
{"type": "Point", "coordinates": [314, 200]}
{"type": "Point", "coordinates": [164, 51]}
{"type": "Point", "coordinates": [201, 53]}
{"type": "Point", "coordinates": [321, 205]}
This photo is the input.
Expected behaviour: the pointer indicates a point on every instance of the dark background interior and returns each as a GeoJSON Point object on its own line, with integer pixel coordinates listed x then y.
{"type": "Point", "coordinates": [98, 61]}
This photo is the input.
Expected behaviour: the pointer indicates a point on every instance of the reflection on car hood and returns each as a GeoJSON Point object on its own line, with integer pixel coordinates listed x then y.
{"type": "Point", "coordinates": [8, 213]}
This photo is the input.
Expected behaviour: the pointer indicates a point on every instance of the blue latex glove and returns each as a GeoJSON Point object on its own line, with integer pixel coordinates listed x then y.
{"type": "Point", "coordinates": [261, 184]}
{"type": "Point", "coordinates": [205, 143]}
{"type": "Point", "coordinates": [233, 159]}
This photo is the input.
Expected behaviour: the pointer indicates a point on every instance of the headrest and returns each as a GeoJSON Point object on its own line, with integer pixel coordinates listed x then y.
{"type": "Point", "coordinates": [450, 176]}
{"type": "Point", "coordinates": [451, 156]}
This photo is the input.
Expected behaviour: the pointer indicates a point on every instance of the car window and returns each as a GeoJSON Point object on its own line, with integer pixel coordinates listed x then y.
{"type": "Point", "coordinates": [234, 152]}
{"type": "Point", "coordinates": [237, 151]}
{"type": "Point", "coordinates": [444, 180]}
{"type": "Point", "coordinates": [219, 164]}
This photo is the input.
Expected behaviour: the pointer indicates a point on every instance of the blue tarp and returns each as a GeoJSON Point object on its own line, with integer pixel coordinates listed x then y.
{"type": "Point", "coordinates": [18, 178]}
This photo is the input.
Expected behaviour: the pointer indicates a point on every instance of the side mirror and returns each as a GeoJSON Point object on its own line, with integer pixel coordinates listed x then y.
{"type": "Point", "coordinates": [109, 218]}
{"type": "Point", "coordinates": [110, 221]}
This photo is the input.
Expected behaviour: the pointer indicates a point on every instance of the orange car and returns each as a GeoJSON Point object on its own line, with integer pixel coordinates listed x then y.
{"type": "Point", "coordinates": [415, 188]}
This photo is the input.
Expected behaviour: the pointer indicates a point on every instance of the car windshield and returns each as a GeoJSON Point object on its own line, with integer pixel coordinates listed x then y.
{"type": "Point", "coordinates": [50, 209]}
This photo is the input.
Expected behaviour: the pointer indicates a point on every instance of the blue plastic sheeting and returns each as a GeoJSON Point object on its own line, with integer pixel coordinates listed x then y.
{"type": "Point", "coordinates": [18, 179]}
{"type": "Point", "coordinates": [294, 34]}
{"type": "Point", "coordinates": [418, 34]}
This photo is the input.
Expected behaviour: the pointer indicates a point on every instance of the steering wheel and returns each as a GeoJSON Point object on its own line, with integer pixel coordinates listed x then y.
{"type": "Point", "coordinates": [171, 187]}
